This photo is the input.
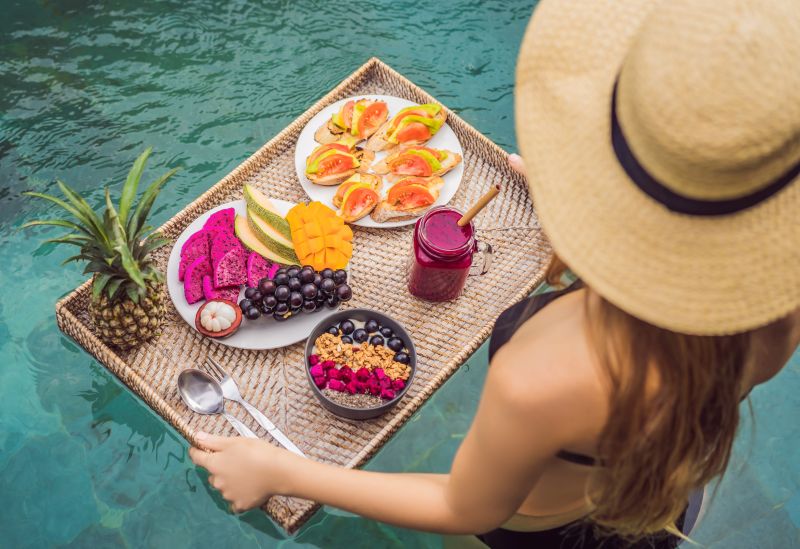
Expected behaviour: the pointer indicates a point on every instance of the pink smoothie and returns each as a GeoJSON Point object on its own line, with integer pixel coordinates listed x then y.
{"type": "Point", "coordinates": [442, 255]}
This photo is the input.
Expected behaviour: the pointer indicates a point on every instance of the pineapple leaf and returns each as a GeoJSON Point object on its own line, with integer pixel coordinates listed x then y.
{"type": "Point", "coordinates": [99, 282]}
{"type": "Point", "coordinates": [75, 213]}
{"type": "Point", "coordinates": [112, 287]}
{"type": "Point", "coordinates": [112, 219]}
{"type": "Point", "coordinates": [57, 223]}
{"type": "Point", "coordinates": [82, 206]}
{"type": "Point", "coordinates": [153, 242]}
{"type": "Point", "coordinates": [79, 257]}
{"type": "Point", "coordinates": [133, 293]}
{"type": "Point", "coordinates": [132, 185]}
{"type": "Point", "coordinates": [77, 240]}
{"type": "Point", "coordinates": [130, 265]}
{"type": "Point", "coordinates": [95, 266]}
{"type": "Point", "coordinates": [146, 201]}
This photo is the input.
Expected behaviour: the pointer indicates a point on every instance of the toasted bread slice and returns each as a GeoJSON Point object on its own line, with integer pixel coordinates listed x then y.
{"type": "Point", "coordinates": [330, 131]}
{"type": "Point", "coordinates": [378, 141]}
{"type": "Point", "coordinates": [448, 163]}
{"type": "Point", "coordinates": [375, 181]}
{"type": "Point", "coordinates": [332, 179]}
{"type": "Point", "coordinates": [385, 211]}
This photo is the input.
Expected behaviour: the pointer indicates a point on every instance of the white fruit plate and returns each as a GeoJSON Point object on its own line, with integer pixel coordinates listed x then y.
{"type": "Point", "coordinates": [445, 138]}
{"type": "Point", "coordinates": [264, 333]}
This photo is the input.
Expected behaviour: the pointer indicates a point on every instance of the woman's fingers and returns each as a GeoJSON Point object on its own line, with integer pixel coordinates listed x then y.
{"type": "Point", "coordinates": [516, 163]}
{"type": "Point", "coordinates": [199, 457]}
{"type": "Point", "coordinates": [213, 442]}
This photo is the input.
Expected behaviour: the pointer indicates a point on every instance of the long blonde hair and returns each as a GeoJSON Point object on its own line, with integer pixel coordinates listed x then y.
{"type": "Point", "coordinates": [673, 415]}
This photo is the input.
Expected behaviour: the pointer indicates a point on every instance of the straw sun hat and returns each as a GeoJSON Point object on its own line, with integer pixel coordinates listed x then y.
{"type": "Point", "coordinates": [662, 143]}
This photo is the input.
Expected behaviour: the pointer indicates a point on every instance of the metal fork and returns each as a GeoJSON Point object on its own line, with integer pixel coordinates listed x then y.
{"type": "Point", "coordinates": [231, 391]}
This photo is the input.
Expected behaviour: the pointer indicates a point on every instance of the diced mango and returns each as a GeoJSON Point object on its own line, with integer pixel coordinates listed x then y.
{"type": "Point", "coordinates": [320, 237]}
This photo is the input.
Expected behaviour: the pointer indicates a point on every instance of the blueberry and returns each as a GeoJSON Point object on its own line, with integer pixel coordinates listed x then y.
{"type": "Point", "coordinates": [376, 340]}
{"type": "Point", "coordinates": [360, 335]}
{"type": "Point", "coordinates": [395, 344]}
{"type": "Point", "coordinates": [371, 326]}
{"type": "Point", "coordinates": [402, 358]}
{"type": "Point", "coordinates": [347, 327]}
{"type": "Point", "coordinates": [386, 332]}
{"type": "Point", "coordinates": [347, 339]}
{"type": "Point", "coordinates": [333, 330]}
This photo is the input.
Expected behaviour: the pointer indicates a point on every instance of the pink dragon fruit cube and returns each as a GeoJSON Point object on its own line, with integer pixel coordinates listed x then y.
{"type": "Point", "coordinates": [336, 385]}
{"type": "Point", "coordinates": [398, 384]}
{"type": "Point", "coordinates": [320, 382]}
{"type": "Point", "coordinates": [313, 360]}
{"type": "Point", "coordinates": [388, 394]}
{"type": "Point", "coordinates": [362, 374]}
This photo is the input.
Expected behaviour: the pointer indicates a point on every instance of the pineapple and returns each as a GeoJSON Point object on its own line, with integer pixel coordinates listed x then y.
{"type": "Point", "coordinates": [127, 304]}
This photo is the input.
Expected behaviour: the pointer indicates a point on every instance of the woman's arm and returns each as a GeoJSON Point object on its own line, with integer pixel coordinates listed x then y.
{"type": "Point", "coordinates": [518, 426]}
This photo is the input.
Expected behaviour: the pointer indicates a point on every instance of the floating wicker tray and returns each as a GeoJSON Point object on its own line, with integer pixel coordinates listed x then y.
{"type": "Point", "coordinates": [274, 381]}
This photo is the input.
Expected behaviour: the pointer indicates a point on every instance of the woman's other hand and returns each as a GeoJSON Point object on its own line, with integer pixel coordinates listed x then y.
{"type": "Point", "coordinates": [246, 471]}
{"type": "Point", "coordinates": [516, 163]}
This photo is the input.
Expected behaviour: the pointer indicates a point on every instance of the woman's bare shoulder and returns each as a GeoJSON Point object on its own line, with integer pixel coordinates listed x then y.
{"type": "Point", "coordinates": [548, 366]}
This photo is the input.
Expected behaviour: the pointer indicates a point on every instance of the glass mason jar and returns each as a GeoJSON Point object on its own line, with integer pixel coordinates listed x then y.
{"type": "Point", "coordinates": [442, 255]}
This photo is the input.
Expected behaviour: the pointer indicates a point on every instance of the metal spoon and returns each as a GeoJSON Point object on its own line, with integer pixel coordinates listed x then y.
{"type": "Point", "coordinates": [203, 394]}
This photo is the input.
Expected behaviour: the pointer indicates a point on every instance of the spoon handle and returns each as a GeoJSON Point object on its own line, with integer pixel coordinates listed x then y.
{"type": "Point", "coordinates": [242, 429]}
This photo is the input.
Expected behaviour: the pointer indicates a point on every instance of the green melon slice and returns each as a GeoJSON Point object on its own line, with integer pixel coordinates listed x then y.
{"type": "Point", "coordinates": [265, 209]}
{"type": "Point", "coordinates": [250, 241]}
{"type": "Point", "coordinates": [269, 237]}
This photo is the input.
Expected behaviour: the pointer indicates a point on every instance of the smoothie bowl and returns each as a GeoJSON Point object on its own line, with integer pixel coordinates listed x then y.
{"type": "Point", "coordinates": [359, 363]}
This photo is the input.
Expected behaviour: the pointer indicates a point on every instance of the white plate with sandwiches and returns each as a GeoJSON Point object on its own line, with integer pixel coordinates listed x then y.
{"type": "Point", "coordinates": [371, 155]}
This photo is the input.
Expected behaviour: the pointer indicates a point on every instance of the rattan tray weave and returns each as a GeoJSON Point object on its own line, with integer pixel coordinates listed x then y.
{"type": "Point", "coordinates": [274, 381]}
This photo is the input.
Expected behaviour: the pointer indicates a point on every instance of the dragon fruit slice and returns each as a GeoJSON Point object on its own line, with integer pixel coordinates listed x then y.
{"type": "Point", "coordinates": [220, 243]}
{"type": "Point", "coordinates": [231, 268]}
{"type": "Point", "coordinates": [222, 219]}
{"type": "Point", "coordinates": [210, 292]}
{"type": "Point", "coordinates": [196, 246]}
{"type": "Point", "coordinates": [193, 279]}
{"type": "Point", "coordinates": [258, 268]}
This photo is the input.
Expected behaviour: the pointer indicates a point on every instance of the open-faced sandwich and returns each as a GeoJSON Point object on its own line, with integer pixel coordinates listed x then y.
{"type": "Point", "coordinates": [358, 196]}
{"type": "Point", "coordinates": [332, 163]}
{"type": "Point", "coordinates": [410, 197]}
{"type": "Point", "coordinates": [360, 118]}
{"type": "Point", "coordinates": [415, 160]}
{"type": "Point", "coordinates": [411, 126]}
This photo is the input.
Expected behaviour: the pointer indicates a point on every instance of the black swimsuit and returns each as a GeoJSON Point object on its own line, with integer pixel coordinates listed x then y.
{"type": "Point", "coordinates": [578, 534]}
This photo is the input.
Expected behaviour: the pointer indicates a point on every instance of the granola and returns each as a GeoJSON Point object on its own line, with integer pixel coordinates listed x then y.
{"type": "Point", "coordinates": [360, 355]}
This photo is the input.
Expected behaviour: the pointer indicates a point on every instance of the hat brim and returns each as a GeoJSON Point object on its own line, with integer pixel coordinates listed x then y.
{"type": "Point", "coordinates": [690, 274]}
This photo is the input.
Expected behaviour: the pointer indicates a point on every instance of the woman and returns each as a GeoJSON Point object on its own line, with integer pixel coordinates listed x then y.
{"type": "Point", "coordinates": [663, 150]}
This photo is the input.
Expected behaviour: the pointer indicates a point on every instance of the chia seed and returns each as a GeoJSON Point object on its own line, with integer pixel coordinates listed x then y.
{"type": "Point", "coordinates": [358, 400]}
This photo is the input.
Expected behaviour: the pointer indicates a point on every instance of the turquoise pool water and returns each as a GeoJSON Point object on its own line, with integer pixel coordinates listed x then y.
{"type": "Point", "coordinates": [86, 87]}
